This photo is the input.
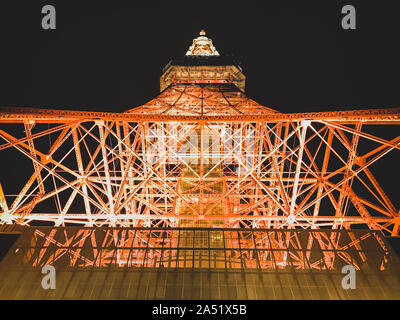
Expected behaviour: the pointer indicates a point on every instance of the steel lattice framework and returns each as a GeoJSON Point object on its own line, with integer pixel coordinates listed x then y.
{"type": "Point", "coordinates": [200, 154]}
{"type": "Point", "coordinates": [253, 172]}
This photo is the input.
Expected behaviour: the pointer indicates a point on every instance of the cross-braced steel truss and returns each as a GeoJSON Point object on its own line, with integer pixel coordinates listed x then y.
{"type": "Point", "coordinates": [200, 155]}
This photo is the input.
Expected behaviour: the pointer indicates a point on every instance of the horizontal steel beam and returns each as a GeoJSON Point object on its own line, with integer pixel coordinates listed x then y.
{"type": "Point", "coordinates": [83, 216]}
{"type": "Point", "coordinates": [371, 116]}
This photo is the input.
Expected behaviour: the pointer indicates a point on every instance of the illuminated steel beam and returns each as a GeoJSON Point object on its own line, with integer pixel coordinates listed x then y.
{"type": "Point", "coordinates": [371, 116]}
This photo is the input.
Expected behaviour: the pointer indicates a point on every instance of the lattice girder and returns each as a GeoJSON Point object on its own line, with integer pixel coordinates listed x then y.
{"type": "Point", "coordinates": [283, 174]}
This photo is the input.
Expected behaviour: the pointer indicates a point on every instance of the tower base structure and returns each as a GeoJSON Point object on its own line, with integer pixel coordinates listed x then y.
{"type": "Point", "coordinates": [198, 263]}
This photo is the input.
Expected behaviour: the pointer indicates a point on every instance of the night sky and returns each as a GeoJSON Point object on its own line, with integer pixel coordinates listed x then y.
{"type": "Point", "coordinates": [108, 56]}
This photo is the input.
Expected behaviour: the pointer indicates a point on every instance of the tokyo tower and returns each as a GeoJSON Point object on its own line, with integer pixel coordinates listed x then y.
{"type": "Point", "coordinates": [201, 177]}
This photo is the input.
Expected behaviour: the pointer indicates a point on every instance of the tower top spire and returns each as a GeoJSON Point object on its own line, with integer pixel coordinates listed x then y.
{"type": "Point", "coordinates": [202, 46]}
{"type": "Point", "coordinates": [202, 64]}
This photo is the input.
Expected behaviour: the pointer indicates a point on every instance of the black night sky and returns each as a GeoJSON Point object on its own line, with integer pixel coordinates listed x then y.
{"type": "Point", "coordinates": [108, 56]}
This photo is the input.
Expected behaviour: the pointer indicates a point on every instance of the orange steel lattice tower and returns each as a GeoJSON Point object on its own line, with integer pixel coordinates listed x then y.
{"type": "Point", "coordinates": [201, 154]}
